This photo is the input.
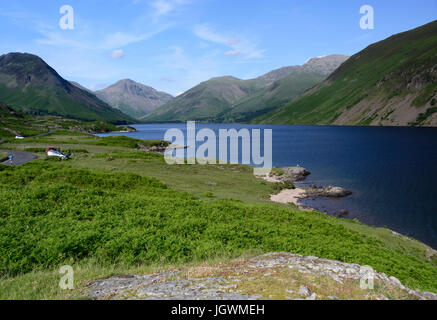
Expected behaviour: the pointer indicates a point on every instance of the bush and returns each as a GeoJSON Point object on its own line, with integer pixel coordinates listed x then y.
{"type": "Point", "coordinates": [279, 186]}
{"type": "Point", "coordinates": [277, 172]}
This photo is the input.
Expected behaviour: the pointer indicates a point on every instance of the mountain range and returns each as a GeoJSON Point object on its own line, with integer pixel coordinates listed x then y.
{"type": "Point", "coordinates": [229, 99]}
{"type": "Point", "coordinates": [390, 83]}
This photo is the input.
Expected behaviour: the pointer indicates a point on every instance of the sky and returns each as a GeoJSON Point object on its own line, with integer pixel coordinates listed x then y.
{"type": "Point", "coordinates": [172, 45]}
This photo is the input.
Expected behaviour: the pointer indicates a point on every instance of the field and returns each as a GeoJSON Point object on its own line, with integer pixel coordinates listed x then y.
{"type": "Point", "coordinates": [114, 210]}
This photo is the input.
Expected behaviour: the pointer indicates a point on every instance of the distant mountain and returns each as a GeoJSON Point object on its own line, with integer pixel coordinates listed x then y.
{"type": "Point", "coordinates": [228, 99]}
{"type": "Point", "coordinates": [28, 84]}
{"type": "Point", "coordinates": [133, 98]}
{"type": "Point", "coordinates": [282, 86]}
{"type": "Point", "coordinates": [204, 102]}
{"type": "Point", "coordinates": [392, 82]}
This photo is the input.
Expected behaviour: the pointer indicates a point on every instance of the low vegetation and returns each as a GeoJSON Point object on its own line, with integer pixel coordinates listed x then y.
{"type": "Point", "coordinates": [114, 210]}
{"type": "Point", "coordinates": [3, 156]}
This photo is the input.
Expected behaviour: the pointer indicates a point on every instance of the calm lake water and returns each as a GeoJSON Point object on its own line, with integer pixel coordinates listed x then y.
{"type": "Point", "coordinates": [392, 172]}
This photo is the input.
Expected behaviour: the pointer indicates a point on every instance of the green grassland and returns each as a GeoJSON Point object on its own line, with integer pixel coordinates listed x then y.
{"type": "Point", "coordinates": [3, 156]}
{"type": "Point", "coordinates": [114, 210]}
{"type": "Point", "coordinates": [14, 123]}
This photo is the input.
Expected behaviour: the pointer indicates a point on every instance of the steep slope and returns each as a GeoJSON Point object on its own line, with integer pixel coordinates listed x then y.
{"type": "Point", "coordinates": [228, 99]}
{"type": "Point", "coordinates": [133, 98]}
{"type": "Point", "coordinates": [28, 84]}
{"type": "Point", "coordinates": [392, 82]}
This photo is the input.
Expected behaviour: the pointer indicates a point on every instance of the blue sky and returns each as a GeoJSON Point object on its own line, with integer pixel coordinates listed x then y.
{"type": "Point", "coordinates": [173, 45]}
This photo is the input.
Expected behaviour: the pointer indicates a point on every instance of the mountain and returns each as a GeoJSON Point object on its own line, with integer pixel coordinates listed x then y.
{"type": "Point", "coordinates": [133, 98]}
{"type": "Point", "coordinates": [28, 84]}
{"type": "Point", "coordinates": [392, 82]}
{"type": "Point", "coordinates": [204, 102]}
{"type": "Point", "coordinates": [282, 86]}
{"type": "Point", "coordinates": [229, 99]}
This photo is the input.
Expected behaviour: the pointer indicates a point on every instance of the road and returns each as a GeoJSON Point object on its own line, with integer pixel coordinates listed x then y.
{"type": "Point", "coordinates": [22, 157]}
{"type": "Point", "coordinates": [19, 157]}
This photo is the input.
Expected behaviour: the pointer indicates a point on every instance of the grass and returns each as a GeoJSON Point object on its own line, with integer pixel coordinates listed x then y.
{"type": "Point", "coordinates": [3, 156]}
{"type": "Point", "coordinates": [136, 214]}
{"type": "Point", "coordinates": [14, 123]}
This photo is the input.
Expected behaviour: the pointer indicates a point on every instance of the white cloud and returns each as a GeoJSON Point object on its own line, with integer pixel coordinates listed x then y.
{"type": "Point", "coordinates": [238, 45]}
{"type": "Point", "coordinates": [162, 7]}
{"type": "Point", "coordinates": [165, 7]}
{"type": "Point", "coordinates": [117, 54]}
{"type": "Point", "coordinates": [120, 39]}
{"type": "Point", "coordinates": [232, 53]}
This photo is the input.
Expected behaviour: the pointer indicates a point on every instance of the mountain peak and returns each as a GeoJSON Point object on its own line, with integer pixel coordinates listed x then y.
{"type": "Point", "coordinates": [133, 98]}
{"type": "Point", "coordinates": [224, 78]}
{"type": "Point", "coordinates": [324, 64]}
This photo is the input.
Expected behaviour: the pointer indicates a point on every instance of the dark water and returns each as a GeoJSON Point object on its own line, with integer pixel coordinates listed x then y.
{"type": "Point", "coordinates": [392, 172]}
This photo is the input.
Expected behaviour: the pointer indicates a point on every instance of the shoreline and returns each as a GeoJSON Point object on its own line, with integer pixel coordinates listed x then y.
{"type": "Point", "coordinates": [287, 195]}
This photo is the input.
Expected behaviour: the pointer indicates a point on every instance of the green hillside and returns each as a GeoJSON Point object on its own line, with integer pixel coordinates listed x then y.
{"type": "Point", "coordinates": [392, 82]}
{"type": "Point", "coordinates": [28, 84]}
{"type": "Point", "coordinates": [228, 99]}
{"type": "Point", "coordinates": [276, 95]}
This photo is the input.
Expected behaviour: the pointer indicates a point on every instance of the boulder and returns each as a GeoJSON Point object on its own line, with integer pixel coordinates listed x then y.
{"type": "Point", "coordinates": [336, 192]}
{"type": "Point", "coordinates": [296, 173]}
{"type": "Point", "coordinates": [304, 291]}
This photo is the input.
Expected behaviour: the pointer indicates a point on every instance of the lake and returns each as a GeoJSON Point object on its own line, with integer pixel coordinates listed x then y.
{"type": "Point", "coordinates": [391, 171]}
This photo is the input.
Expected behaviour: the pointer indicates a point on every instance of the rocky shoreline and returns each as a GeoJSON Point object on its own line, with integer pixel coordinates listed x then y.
{"type": "Point", "coordinates": [296, 174]}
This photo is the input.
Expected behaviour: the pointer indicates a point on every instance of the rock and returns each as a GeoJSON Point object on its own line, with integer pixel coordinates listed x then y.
{"type": "Point", "coordinates": [332, 192]}
{"type": "Point", "coordinates": [430, 295]}
{"type": "Point", "coordinates": [296, 173]}
{"type": "Point", "coordinates": [312, 297]}
{"type": "Point", "coordinates": [336, 192]}
{"type": "Point", "coordinates": [304, 291]}
{"type": "Point", "coordinates": [395, 281]}
{"type": "Point", "coordinates": [333, 298]}
{"type": "Point", "coordinates": [343, 213]}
